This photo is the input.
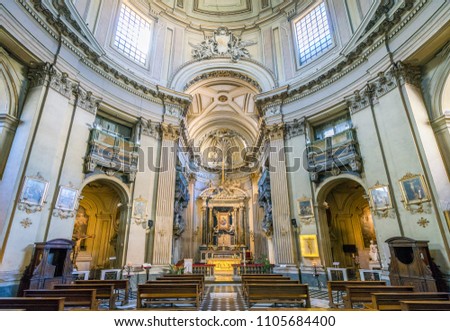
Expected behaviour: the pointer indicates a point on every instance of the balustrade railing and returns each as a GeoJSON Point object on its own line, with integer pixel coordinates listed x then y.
{"type": "Point", "coordinates": [203, 269]}
{"type": "Point", "coordinates": [256, 268]}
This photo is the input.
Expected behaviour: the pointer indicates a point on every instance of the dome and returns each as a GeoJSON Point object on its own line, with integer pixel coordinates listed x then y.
{"type": "Point", "coordinates": [210, 14]}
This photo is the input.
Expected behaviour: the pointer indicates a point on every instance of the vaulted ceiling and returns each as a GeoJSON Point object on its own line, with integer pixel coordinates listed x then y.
{"type": "Point", "coordinates": [217, 12]}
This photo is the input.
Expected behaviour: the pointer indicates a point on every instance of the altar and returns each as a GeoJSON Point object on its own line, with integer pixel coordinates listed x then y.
{"type": "Point", "coordinates": [223, 265]}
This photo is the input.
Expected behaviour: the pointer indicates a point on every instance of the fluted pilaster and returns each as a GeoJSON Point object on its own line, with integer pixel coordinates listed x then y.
{"type": "Point", "coordinates": [166, 194]}
{"type": "Point", "coordinates": [282, 237]}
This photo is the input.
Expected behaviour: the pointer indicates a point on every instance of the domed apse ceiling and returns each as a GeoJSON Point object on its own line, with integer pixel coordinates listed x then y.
{"type": "Point", "coordinates": [222, 120]}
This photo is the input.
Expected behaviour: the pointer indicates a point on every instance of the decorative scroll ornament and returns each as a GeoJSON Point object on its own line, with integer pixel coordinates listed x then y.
{"type": "Point", "coordinates": [222, 43]}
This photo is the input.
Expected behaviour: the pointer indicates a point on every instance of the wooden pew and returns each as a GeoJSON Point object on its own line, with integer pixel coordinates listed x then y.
{"type": "Point", "coordinates": [363, 294]}
{"type": "Point", "coordinates": [200, 278]}
{"type": "Point", "coordinates": [278, 294]}
{"type": "Point", "coordinates": [193, 277]}
{"type": "Point", "coordinates": [103, 291]}
{"type": "Point", "coordinates": [196, 276]}
{"type": "Point", "coordinates": [425, 305]}
{"type": "Point", "coordinates": [339, 287]}
{"type": "Point", "coordinates": [164, 280]}
{"type": "Point", "coordinates": [155, 293]}
{"type": "Point", "coordinates": [119, 284]}
{"type": "Point", "coordinates": [391, 301]}
{"type": "Point", "coordinates": [32, 304]}
{"type": "Point", "coordinates": [73, 298]}
{"type": "Point", "coordinates": [249, 282]}
{"type": "Point", "coordinates": [262, 276]}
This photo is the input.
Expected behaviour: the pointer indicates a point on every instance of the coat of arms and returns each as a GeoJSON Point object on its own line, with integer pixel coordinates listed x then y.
{"type": "Point", "coordinates": [222, 43]}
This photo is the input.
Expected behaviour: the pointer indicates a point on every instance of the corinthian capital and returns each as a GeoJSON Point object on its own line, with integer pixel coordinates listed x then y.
{"type": "Point", "coordinates": [407, 74]}
{"type": "Point", "coordinates": [87, 100]}
{"type": "Point", "coordinates": [295, 128]}
{"type": "Point", "coordinates": [40, 75]}
{"type": "Point", "coordinates": [170, 132]}
{"type": "Point", "coordinates": [360, 99]}
{"type": "Point", "coordinates": [275, 131]}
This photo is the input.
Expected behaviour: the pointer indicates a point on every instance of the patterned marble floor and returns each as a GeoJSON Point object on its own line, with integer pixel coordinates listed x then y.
{"type": "Point", "coordinates": [223, 297]}
{"type": "Point", "coordinates": [228, 297]}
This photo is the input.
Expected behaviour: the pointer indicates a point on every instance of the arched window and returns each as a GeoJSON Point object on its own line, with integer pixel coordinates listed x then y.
{"type": "Point", "coordinates": [132, 35]}
{"type": "Point", "coordinates": [313, 33]}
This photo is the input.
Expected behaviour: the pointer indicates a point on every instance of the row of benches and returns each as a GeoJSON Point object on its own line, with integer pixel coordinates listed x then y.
{"type": "Point", "coordinates": [261, 290]}
{"type": "Point", "coordinates": [187, 291]}
{"type": "Point", "coordinates": [377, 295]}
{"type": "Point", "coordinates": [180, 292]}
{"type": "Point", "coordinates": [80, 295]}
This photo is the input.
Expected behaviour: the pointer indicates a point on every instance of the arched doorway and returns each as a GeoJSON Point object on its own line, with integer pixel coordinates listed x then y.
{"type": "Point", "coordinates": [100, 225]}
{"type": "Point", "coordinates": [347, 228]}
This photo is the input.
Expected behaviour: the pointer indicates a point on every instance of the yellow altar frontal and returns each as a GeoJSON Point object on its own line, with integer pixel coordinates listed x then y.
{"type": "Point", "coordinates": [223, 265]}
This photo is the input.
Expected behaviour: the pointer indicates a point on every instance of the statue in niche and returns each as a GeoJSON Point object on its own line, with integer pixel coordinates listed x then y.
{"type": "Point", "coordinates": [80, 228]}
{"type": "Point", "coordinates": [80, 233]}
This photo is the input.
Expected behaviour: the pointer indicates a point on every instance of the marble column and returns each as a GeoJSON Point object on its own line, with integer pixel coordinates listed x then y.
{"type": "Point", "coordinates": [166, 195]}
{"type": "Point", "coordinates": [282, 236]}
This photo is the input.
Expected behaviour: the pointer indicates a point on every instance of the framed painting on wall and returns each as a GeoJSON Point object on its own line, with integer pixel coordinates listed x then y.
{"type": "Point", "coordinates": [34, 190]}
{"type": "Point", "coordinates": [308, 245]}
{"type": "Point", "coordinates": [67, 198]}
{"type": "Point", "coordinates": [414, 189]}
{"type": "Point", "coordinates": [305, 208]}
{"type": "Point", "coordinates": [140, 208]}
{"type": "Point", "coordinates": [380, 197]}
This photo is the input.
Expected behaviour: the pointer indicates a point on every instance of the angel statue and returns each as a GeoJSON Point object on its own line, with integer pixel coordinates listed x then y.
{"type": "Point", "coordinates": [204, 50]}
{"type": "Point", "coordinates": [238, 50]}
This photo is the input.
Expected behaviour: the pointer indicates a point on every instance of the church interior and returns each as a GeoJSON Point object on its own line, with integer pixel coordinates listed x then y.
{"type": "Point", "coordinates": [237, 154]}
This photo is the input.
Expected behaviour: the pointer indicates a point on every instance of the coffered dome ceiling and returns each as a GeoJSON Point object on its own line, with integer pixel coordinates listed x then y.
{"type": "Point", "coordinates": [222, 120]}
{"type": "Point", "coordinates": [218, 12]}
{"type": "Point", "coordinates": [223, 104]}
